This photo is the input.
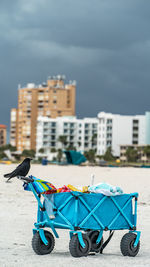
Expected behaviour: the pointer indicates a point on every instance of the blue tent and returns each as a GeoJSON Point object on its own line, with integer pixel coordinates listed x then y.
{"type": "Point", "coordinates": [74, 157]}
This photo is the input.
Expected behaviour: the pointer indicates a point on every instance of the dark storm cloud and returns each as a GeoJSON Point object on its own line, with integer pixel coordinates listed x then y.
{"type": "Point", "coordinates": [104, 45]}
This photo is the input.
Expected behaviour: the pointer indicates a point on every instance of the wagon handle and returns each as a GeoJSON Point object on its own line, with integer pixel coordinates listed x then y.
{"type": "Point", "coordinates": [25, 179]}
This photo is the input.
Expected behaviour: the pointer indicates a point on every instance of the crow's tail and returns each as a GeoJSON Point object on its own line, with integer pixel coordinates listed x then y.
{"type": "Point", "coordinates": [7, 175]}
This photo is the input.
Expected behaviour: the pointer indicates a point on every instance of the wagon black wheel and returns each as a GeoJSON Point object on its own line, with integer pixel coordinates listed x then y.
{"type": "Point", "coordinates": [93, 235]}
{"type": "Point", "coordinates": [127, 245]}
{"type": "Point", "coordinates": [39, 247]}
{"type": "Point", "coordinates": [76, 250]}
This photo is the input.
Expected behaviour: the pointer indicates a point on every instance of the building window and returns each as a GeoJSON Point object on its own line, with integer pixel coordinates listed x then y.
{"type": "Point", "coordinates": [53, 144]}
{"type": "Point", "coordinates": [108, 143]}
{"type": "Point", "coordinates": [41, 92]}
{"type": "Point", "coordinates": [135, 121]}
{"type": "Point", "coordinates": [135, 142]}
{"type": "Point", "coordinates": [135, 135]}
{"type": "Point", "coordinates": [94, 125]}
{"type": "Point", "coordinates": [109, 135]}
{"type": "Point", "coordinates": [109, 121]}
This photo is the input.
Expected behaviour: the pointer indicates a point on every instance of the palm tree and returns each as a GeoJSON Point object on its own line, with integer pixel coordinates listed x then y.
{"type": "Point", "coordinates": [59, 155]}
{"type": "Point", "coordinates": [28, 153]}
{"type": "Point", "coordinates": [131, 154]}
{"type": "Point", "coordinates": [41, 150]}
{"type": "Point", "coordinates": [147, 151]}
{"type": "Point", "coordinates": [94, 138]}
{"type": "Point", "coordinates": [108, 154]}
{"type": "Point", "coordinates": [90, 155]}
{"type": "Point", "coordinates": [63, 139]}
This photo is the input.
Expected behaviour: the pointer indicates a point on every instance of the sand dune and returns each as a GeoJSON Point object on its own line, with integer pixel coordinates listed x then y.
{"type": "Point", "coordinates": [18, 214]}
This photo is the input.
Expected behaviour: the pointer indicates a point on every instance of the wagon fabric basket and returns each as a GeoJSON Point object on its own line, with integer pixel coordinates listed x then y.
{"type": "Point", "coordinates": [92, 211]}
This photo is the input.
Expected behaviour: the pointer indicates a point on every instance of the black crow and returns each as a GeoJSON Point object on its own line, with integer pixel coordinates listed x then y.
{"type": "Point", "coordinates": [21, 170]}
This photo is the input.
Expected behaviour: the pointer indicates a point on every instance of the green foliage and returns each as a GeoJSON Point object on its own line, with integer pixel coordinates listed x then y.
{"type": "Point", "coordinates": [8, 147]}
{"type": "Point", "coordinates": [39, 159]}
{"type": "Point", "coordinates": [63, 139]}
{"type": "Point", "coordinates": [59, 155]}
{"type": "Point", "coordinates": [41, 150]}
{"type": "Point", "coordinates": [53, 150]}
{"type": "Point", "coordinates": [2, 155]}
{"type": "Point", "coordinates": [90, 155]}
{"type": "Point", "coordinates": [108, 155]}
{"type": "Point", "coordinates": [147, 151]}
{"type": "Point", "coordinates": [79, 143]}
{"type": "Point", "coordinates": [94, 138]}
{"type": "Point", "coordinates": [131, 154]}
{"type": "Point", "coordinates": [28, 153]}
{"type": "Point", "coordinates": [99, 156]}
{"type": "Point", "coordinates": [70, 147]}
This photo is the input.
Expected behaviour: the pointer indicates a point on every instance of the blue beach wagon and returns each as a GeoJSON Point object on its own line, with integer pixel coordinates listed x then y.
{"type": "Point", "coordinates": [87, 216]}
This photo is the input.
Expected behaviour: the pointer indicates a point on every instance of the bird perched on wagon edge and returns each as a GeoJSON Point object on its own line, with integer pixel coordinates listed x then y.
{"type": "Point", "coordinates": [21, 170]}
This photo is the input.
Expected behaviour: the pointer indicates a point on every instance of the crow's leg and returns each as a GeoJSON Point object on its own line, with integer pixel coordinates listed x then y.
{"type": "Point", "coordinates": [8, 180]}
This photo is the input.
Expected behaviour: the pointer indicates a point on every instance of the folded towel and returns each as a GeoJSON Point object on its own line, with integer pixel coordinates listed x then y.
{"type": "Point", "coordinates": [106, 189]}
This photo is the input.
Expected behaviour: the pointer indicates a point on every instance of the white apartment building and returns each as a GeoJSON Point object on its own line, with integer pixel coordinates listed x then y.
{"type": "Point", "coordinates": [13, 126]}
{"type": "Point", "coordinates": [108, 130]}
{"type": "Point", "coordinates": [115, 130]}
{"type": "Point", "coordinates": [80, 133]}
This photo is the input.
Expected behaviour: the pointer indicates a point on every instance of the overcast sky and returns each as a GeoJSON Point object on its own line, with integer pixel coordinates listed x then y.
{"type": "Point", "coordinates": [102, 44]}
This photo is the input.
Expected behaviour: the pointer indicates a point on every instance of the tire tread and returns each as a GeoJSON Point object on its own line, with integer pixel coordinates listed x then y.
{"type": "Point", "coordinates": [36, 243]}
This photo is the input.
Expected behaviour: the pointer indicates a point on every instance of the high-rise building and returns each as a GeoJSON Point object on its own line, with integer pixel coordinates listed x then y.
{"type": "Point", "coordinates": [51, 99]}
{"type": "Point", "coordinates": [2, 135]}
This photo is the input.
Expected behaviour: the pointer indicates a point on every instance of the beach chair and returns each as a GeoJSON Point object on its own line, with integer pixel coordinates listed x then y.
{"type": "Point", "coordinates": [87, 216]}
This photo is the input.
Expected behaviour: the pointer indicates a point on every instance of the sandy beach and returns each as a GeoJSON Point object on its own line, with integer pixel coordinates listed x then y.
{"type": "Point", "coordinates": [18, 213]}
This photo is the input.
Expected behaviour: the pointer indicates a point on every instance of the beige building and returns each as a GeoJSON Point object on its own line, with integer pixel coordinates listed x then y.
{"type": "Point", "coordinates": [51, 99]}
{"type": "Point", "coordinates": [2, 135]}
{"type": "Point", "coordinates": [141, 156]}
